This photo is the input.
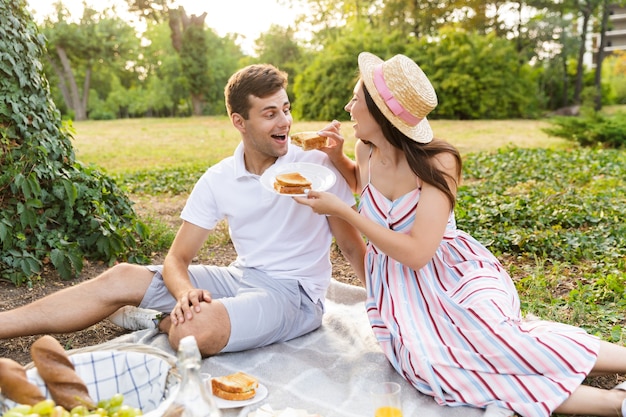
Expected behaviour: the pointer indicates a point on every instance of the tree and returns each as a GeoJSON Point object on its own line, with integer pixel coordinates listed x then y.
{"type": "Point", "coordinates": [53, 210]}
{"type": "Point", "coordinates": [160, 60]}
{"type": "Point", "coordinates": [76, 48]}
{"type": "Point", "coordinates": [190, 43]}
{"type": "Point", "coordinates": [279, 47]}
{"type": "Point", "coordinates": [604, 22]}
{"type": "Point", "coordinates": [587, 10]}
{"type": "Point", "coordinates": [477, 77]}
{"type": "Point", "coordinates": [323, 88]}
{"type": "Point", "coordinates": [187, 40]}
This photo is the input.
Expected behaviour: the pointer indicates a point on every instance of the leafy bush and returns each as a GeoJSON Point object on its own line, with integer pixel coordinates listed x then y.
{"type": "Point", "coordinates": [53, 210]}
{"type": "Point", "coordinates": [475, 76]}
{"type": "Point", "coordinates": [591, 130]}
{"type": "Point", "coordinates": [565, 206]}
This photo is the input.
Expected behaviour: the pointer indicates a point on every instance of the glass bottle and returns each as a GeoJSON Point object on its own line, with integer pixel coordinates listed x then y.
{"type": "Point", "coordinates": [192, 399]}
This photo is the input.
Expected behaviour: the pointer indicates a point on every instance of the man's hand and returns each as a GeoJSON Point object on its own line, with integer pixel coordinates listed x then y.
{"type": "Point", "coordinates": [188, 302]}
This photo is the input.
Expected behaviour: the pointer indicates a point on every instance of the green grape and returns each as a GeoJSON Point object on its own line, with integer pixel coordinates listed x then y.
{"type": "Point", "coordinates": [111, 407]}
{"type": "Point", "coordinates": [13, 413]}
{"type": "Point", "coordinates": [21, 409]}
{"type": "Point", "coordinates": [100, 411]}
{"type": "Point", "coordinates": [126, 411]}
{"type": "Point", "coordinates": [105, 403]}
{"type": "Point", "coordinates": [43, 407]}
{"type": "Point", "coordinates": [59, 411]}
{"type": "Point", "coordinates": [116, 400]}
{"type": "Point", "coordinates": [79, 410]}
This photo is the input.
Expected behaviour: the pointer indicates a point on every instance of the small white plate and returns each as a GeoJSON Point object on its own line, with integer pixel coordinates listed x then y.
{"type": "Point", "coordinates": [321, 177]}
{"type": "Point", "coordinates": [261, 393]}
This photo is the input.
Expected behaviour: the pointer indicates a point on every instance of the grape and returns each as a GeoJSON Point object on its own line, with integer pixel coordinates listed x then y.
{"type": "Point", "coordinates": [79, 410]}
{"type": "Point", "coordinates": [111, 407]}
{"type": "Point", "coordinates": [116, 400]}
{"type": "Point", "coordinates": [21, 409]}
{"type": "Point", "coordinates": [43, 407]}
{"type": "Point", "coordinates": [13, 413]}
{"type": "Point", "coordinates": [59, 411]}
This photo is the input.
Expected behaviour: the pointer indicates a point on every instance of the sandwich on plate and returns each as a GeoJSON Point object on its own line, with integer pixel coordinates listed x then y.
{"type": "Point", "coordinates": [291, 183]}
{"type": "Point", "coordinates": [235, 387]}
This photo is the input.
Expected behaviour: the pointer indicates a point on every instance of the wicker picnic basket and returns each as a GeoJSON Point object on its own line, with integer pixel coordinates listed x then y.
{"type": "Point", "coordinates": [145, 375]}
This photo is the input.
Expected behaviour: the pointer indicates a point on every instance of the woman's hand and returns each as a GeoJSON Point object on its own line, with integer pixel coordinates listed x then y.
{"type": "Point", "coordinates": [323, 203]}
{"type": "Point", "coordinates": [334, 148]}
{"type": "Point", "coordinates": [188, 302]}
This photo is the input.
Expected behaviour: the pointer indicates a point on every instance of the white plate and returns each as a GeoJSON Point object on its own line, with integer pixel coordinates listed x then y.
{"type": "Point", "coordinates": [321, 177]}
{"type": "Point", "coordinates": [261, 393]}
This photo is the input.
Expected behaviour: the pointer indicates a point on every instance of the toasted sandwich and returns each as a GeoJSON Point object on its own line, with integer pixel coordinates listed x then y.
{"type": "Point", "coordinates": [291, 183]}
{"type": "Point", "coordinates": [309, 140]}
{"type": "Point", "coordinates": [235, 387]}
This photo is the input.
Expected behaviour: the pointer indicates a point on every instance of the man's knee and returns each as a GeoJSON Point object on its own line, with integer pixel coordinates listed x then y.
{"type": "Point", "coordinates": [211, 328]}
{"type": "Point", "coordinates": [127, 280]}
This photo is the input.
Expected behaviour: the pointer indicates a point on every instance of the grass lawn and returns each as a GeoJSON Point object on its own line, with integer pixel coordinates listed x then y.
{"type": "Point", "coordinates": [131, 145]}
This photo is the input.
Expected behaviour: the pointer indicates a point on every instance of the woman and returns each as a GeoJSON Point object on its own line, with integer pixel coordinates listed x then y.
{"type": "Point", "coordinates": [445, 312]}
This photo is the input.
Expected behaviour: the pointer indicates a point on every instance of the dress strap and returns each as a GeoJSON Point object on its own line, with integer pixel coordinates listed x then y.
{"type": "Point", "coordinates": [369, 165]}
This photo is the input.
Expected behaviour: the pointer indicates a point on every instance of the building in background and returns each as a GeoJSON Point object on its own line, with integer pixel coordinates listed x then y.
{"type": "Point", "coordinates": [615, 35]}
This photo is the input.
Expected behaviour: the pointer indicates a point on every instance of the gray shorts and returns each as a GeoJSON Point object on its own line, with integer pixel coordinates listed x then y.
{"type": "Point", "coordinates": [262, 310]}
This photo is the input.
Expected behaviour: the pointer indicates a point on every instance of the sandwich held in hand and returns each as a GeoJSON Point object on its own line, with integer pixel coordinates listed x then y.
{"type": "Point", "coordinates": [235, 387]}
{"type": "Point", "coordinates": [309, 140]}
{"type": "Point", "coordinates": [291, 183]}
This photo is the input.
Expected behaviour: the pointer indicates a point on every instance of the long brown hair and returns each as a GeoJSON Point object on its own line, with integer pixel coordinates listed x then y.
{"type": "Point", "coordinates": [419, 155]}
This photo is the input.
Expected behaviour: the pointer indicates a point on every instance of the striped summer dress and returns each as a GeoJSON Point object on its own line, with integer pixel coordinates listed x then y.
{"type": "Point", "coordinates": [454, 329]}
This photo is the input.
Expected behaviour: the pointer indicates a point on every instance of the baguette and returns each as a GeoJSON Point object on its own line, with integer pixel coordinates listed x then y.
{"type": "Point", "coordinates": [15, 386]}
{"type": "Point", "coordinates": [309, 140]}
{"type": "Point", "coordinates": [235, 387]}
{"type": "Point", "coordinates": [66, 388]}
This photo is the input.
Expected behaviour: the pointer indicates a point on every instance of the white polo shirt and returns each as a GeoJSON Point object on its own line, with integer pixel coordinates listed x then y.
{"type": "Point", "coordinates": [270, 232]}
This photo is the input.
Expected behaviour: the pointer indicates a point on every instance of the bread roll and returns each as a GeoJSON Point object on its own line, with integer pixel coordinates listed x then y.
{"type": "Point", "coordinates": [66, 388]}
{"type": "Point", "coordinates": [15, 386]}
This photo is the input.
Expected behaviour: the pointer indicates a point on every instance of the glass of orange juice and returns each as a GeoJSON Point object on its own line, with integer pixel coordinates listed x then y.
{"type": "Point", "coordinates": [386, 399]}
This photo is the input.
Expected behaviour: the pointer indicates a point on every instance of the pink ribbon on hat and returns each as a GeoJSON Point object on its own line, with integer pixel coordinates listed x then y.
{"type": "Point", "coordinates": [393, 104]}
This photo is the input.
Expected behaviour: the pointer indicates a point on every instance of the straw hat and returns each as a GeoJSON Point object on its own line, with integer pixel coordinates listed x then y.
{"type": "Point", "coordinates": [402, 92]}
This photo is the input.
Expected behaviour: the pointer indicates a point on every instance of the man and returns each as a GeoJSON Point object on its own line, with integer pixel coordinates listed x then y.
{"type": "Point", "coordinates": [275, 289]}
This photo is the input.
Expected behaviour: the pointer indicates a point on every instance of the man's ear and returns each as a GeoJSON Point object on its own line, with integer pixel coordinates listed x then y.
{"type": "Point", "coordinates": [238, 121]}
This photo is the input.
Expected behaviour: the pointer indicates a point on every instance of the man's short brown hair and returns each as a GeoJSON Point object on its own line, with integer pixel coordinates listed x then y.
{"type": "Point", "coordinates": [259, 80]}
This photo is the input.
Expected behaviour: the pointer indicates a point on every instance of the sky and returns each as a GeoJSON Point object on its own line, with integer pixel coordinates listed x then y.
{"type": "Point", "coordinates": [249, 18]}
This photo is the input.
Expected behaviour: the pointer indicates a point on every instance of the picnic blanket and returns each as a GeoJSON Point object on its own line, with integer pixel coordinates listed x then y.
{"type": "Point", "coordinates": [329, 371]}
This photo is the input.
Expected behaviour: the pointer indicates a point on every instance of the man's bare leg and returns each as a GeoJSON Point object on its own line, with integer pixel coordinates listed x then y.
{"type": "Point", "coordinates": [211, 328]}
{"type": "Point", "coordinates": [78, 307]}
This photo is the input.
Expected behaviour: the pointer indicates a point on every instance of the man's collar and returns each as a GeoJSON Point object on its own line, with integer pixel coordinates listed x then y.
{"type": "Point", "coordinates": [240, 165]}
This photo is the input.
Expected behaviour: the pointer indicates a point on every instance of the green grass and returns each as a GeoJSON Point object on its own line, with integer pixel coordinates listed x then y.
{"type": "Point", "coordinates": [132, 145]}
